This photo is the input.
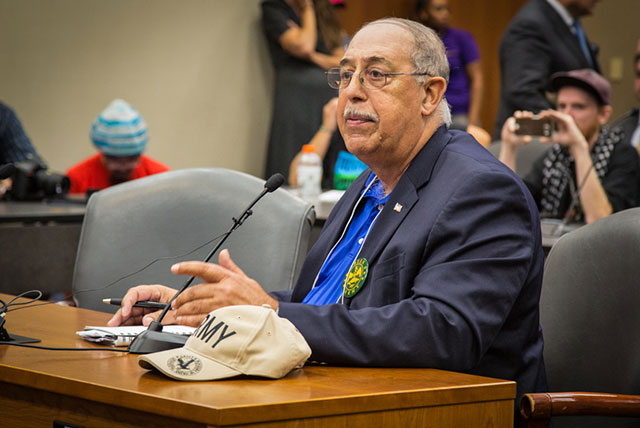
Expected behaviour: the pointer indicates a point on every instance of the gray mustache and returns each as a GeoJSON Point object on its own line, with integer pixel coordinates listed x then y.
{"type": "Point", "coordinates": [356, 112]}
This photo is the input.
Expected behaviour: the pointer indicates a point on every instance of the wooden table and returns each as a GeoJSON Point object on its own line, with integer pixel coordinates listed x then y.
{"type": "Point", "coordinates": [105, 389]}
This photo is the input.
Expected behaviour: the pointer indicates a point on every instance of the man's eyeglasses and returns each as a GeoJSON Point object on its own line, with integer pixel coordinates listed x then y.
{"type": "Point", "coordinates": [370, 78]}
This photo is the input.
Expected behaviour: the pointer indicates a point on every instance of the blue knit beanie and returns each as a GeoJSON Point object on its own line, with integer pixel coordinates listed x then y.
{"type": "Point", "coordinates": [119, 130]}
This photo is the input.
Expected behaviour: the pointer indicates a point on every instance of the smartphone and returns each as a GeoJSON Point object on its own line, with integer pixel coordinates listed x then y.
{"type": "Point", "coordinates": [536, 126]}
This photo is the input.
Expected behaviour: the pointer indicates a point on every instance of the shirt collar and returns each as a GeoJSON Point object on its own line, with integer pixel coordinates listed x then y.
{"type": "Point", "coordinates": [376, 190]}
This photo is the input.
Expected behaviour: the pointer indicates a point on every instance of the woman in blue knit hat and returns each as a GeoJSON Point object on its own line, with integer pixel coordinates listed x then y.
{"type": "Point", "coordinates": [120, 134]}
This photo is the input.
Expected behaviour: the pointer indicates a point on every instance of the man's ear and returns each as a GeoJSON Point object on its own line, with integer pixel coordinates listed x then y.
{"type": "Point", "coordinates": [604, 114]}
{"type": "Point", "coordinates": [434, 89]}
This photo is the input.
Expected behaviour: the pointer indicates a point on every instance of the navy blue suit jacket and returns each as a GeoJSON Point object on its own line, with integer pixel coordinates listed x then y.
{"type": "Point", "coordinates": [454, 275]}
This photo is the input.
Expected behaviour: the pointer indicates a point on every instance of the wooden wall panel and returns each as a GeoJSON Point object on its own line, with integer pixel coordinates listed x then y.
{"type": "Point", "coordinates": [357, 12]}
{"type": "Point", "coordinates": [485, 19]}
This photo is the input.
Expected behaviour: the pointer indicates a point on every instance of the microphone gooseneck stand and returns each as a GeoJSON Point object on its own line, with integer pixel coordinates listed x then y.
{"type": "Point", "coordinates": [154, 339]}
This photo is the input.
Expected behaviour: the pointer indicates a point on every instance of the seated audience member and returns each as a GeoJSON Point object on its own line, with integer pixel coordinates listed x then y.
{"type": "Point", "coordinates": [589, 172]}
{"type": "Point", "coordinates": [433, 259]}
{"type": "Point", "coordinates": [15, 145]}
{"type": "Point", "coordinates": [629, 122]}
{"type": "Point", "coordinates": [120, 135]}
{"type": "Point", "coordinates": [464, 92]}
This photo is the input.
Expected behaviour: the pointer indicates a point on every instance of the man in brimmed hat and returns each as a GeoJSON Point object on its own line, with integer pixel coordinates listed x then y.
{"type": "Point", "coordinates": [589, 172]}
{"type": "Point", "coordinates": [120, 134]}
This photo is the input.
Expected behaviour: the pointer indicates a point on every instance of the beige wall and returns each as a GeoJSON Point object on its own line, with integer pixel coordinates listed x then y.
{"type": "Point", "coordinates": [197, 70]}
{"type": "Point", "coordinates": [615, 27]}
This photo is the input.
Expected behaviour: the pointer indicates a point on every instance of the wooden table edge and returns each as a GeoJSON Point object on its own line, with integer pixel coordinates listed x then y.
{"type": "Point", "coordinates": [269, 412]}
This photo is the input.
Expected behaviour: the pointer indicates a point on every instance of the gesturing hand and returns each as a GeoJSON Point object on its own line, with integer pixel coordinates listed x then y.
{"type": "Point", "coordinates": [226, 284]}
{"type": "Point", "coordinates": [508, 134]}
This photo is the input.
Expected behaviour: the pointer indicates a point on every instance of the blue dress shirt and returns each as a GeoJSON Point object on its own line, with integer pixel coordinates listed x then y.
{"type": "Point", "coordinates": [328, 284]}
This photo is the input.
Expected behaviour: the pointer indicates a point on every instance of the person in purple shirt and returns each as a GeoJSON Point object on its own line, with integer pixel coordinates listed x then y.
{"type": "Point", "coordinates": [464, 92]}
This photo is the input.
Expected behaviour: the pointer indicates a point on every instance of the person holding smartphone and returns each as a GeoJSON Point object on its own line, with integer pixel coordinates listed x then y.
{"type": "Point", "coordinates": [589, 171]}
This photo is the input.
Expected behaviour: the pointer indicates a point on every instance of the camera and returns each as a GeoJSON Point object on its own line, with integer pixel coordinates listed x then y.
{"type": "Point", "coordinates": [535, 126]}
{"type": "Point", "coordinates": [31, 181]}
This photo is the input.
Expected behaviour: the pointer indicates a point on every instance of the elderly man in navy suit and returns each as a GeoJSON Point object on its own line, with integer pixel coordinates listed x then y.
{"type": "Point", "coordinates": [432, 258]}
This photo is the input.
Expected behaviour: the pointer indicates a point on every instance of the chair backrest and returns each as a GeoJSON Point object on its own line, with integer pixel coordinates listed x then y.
{"type": "Point", "coordinates": [527, 155]}
{"type": "Point", "coordinates": [590, 311]}
{"type": "Point", "coordinates": [130, 225]}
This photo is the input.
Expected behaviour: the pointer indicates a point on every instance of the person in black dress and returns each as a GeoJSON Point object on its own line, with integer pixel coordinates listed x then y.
{"type": "Point", "coordinates": [304, 40]}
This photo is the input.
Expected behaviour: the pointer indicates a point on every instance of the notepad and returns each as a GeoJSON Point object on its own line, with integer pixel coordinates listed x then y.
{"type": "Point", "coordinates": [124, 335]}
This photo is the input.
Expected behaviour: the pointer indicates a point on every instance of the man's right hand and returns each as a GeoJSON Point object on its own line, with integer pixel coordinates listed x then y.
{"type": "Point", "coordinates": [511, 142]}
{"type": "Point", "coordinates": [128, 315]}
{"type": "Point", "coordinates": [509, 136]}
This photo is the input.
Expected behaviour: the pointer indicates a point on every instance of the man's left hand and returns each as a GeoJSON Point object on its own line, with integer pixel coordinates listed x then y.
{"type": "Point", "coordinates": [226, 284]}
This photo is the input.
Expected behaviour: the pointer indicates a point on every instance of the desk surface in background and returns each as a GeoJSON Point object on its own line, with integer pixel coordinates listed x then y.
{"type": "Point", "coordinates": [71, 211]}
{"type": "Point", "coordinates": [110, 389]}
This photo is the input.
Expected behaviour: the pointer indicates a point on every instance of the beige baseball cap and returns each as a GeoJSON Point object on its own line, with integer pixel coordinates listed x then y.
{"type": "Point", "coordinates": [232, 341]}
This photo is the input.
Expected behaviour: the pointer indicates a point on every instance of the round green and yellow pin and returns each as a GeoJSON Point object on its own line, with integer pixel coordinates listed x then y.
{"type": "Point", "coordinates": [355, 278]}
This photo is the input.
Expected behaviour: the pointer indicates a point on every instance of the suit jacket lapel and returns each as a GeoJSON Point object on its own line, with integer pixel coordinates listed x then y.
{"type": "Point", "coordinates": [404, 196]}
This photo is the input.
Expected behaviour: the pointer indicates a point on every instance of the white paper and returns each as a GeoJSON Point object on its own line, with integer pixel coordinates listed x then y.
{"type": "Point", "coordinates": [123, 336]}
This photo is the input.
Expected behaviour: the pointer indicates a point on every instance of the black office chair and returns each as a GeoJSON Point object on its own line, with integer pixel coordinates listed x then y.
{"type": "Point", "coordinates": [590, 316]}
{"type": "Point", "coordinates": [128, 226]}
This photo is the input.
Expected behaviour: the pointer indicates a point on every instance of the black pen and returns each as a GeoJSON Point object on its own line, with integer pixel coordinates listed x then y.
{"type": "Point", "coordinates": [139, 304]}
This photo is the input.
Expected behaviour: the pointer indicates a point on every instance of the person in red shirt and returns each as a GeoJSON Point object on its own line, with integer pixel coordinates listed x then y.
{"type": "Point", "coordinates": [120, 134]}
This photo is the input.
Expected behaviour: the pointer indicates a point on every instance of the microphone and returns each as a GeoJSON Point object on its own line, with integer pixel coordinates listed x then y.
{"type": "Point", "coordinates": [154, 339]}
{"type": "Point", "coordinates": [275, 181]}
{"type": "Point", "coordinates": [5, 337]}
{"type": "Point", "coordinates": [560, 229]}
{"type": "Point", "coordinates": [7, 171]}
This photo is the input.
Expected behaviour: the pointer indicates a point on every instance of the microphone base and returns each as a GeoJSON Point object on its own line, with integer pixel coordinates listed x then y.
{"type": "Point", "coordinates": [5, 337]}
{"type": "Point", "coordinates": [150, 341]}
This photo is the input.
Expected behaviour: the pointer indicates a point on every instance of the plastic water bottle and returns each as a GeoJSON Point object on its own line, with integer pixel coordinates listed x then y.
{"type": "Point", "coordinates": [309, 174]}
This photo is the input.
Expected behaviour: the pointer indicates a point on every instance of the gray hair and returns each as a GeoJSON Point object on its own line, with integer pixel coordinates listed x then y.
{"type": "Point", "coordinates": [428, 55]}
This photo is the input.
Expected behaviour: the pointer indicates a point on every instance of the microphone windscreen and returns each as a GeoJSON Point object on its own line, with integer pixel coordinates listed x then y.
{"type": "Point", "coordinates": [6, 171]}
{"type": "Point", "coordinates": [275, 181]}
